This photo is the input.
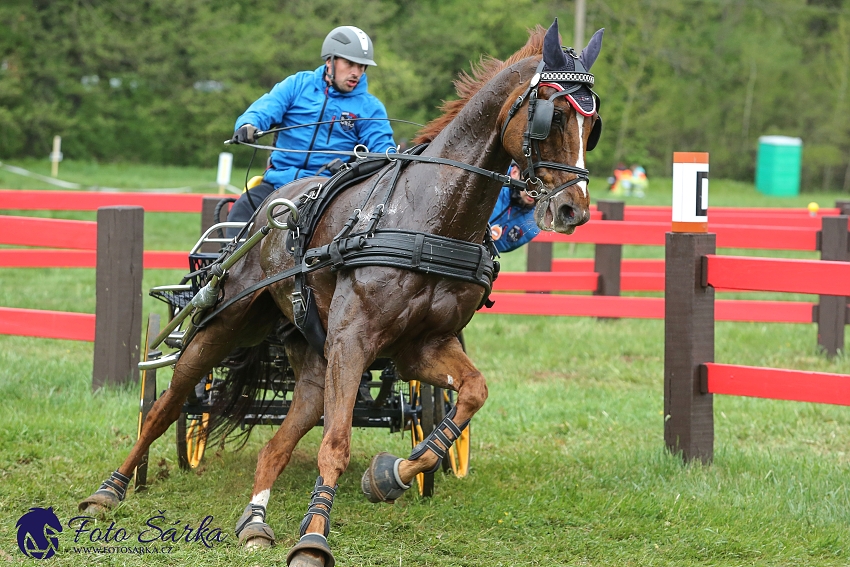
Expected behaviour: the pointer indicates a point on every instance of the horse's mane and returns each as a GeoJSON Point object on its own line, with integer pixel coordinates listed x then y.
{"type": "Point", "coordinates": [467, 86]}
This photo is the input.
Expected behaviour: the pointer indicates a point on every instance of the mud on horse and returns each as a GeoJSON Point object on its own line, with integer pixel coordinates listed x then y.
{"type": "Point", "coordinates": [536, 108]}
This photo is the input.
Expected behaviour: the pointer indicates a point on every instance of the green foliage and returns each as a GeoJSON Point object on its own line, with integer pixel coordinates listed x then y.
{"type": "Point", "coordinates": [161, 81]}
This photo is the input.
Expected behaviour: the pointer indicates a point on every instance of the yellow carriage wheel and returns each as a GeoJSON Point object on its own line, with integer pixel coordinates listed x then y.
{"type": "Point", "coordinates": [147, 398]}
{"type": "Point", "coordinates": [422, 425]}
{"type": "Point", "coordinates": [458, 455]}
{"type": "Point", "coordinates": [192, 433]}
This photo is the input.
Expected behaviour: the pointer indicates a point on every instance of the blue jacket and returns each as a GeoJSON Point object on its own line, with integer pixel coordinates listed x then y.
{"type": "Point", "coordinates": [303, 98]}
{"type": "Point", "coordinates": [517, 224]}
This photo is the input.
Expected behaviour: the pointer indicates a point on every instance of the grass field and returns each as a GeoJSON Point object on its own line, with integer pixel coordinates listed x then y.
{"type": "Point", "coordinates": [568, 458]}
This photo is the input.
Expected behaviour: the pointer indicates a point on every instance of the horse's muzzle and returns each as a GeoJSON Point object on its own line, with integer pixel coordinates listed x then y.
{"type": "Point", "coordinates": [559, 215]}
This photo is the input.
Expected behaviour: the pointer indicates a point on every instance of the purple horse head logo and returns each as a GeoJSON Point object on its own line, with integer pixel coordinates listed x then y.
{"type": "Point", "coordinates": [37, 533]}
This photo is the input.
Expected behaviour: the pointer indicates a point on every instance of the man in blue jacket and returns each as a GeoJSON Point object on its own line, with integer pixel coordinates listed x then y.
{"type": "Point", "coordinates": [512, 222]}
{"type": "Point", "coordinates": [335, 93]}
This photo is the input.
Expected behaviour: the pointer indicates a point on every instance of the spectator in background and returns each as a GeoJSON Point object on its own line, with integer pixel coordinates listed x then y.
{"type": "Point", "coordinates": [639, 181]}
{"type": "Point", "coordinates": [615, 181]}
{"type": "Point", "coordinates": [512, 222]}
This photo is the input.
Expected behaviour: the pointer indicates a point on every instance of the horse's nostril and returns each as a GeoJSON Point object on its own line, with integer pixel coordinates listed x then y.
{"type": "Point", "coordinates": [567, 214]}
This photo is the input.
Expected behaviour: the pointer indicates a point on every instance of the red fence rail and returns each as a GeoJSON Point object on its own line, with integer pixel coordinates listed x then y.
{"type": "Point", "coordinates": [775, 383]}
{"type": "Point", "coordinates": [47, 324]}
{"type": "Point", "coordinates": [11, 199]}
{"type": "Point", "coordinates": [72, 244]}
{"type": "Point", "coordinates": [652, 234]}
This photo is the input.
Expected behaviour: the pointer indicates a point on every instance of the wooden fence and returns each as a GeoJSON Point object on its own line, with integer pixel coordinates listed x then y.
{"type": "Point", "coordinates": [112, 245]}
{"type": "Point", "coordinates": [691, 376]}
{"type": "Point", "coordinates": [608, 274]}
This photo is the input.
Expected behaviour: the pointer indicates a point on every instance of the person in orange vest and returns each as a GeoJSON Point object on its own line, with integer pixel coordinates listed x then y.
{"type": "Point", "coordinates": [615, 181]}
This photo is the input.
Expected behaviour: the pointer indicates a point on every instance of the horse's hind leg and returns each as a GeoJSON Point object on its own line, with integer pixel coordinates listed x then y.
{"type": "Point", "coordinates": [442, 363]}
{"type": "Point", "coordinates": [206, 350]}
{"type": "Point", "coordinates": [304, 413]}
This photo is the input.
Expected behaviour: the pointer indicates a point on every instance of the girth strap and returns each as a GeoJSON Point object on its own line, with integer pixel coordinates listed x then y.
{"type": "Point", "coordinates": [416, 251]}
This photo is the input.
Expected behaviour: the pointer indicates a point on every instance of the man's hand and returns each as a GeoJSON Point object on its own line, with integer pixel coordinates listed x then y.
{"type": "Point", "coordinates": [245, 134]}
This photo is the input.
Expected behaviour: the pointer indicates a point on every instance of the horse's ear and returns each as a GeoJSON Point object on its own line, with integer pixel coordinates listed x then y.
{"type": "Point", "coordinates": [591, 52]}
{"type": "Point", "coordinates": [552, 54]}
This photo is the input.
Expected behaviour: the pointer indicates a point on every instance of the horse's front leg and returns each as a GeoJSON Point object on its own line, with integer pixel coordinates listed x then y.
{"type": "Point", "coordinates": [441, 363]}
{"type": "Point", "coordinates": [351, 347]}
{"type": "Point", "coordinates": [304, 413]}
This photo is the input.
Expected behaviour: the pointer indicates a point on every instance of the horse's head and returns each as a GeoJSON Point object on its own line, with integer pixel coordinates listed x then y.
{"type": "Point", "coordinates": [562, 124]}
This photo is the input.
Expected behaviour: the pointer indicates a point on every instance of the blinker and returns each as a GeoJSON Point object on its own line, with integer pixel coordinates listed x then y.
{"type": "Point", "coordinates": [595, 133]}
{"type": "Point", "coordinates": [541, 121]}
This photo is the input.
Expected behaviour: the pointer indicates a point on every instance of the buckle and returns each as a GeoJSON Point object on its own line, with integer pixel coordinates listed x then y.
{"type": "Point", "coordinates": [299, 309]}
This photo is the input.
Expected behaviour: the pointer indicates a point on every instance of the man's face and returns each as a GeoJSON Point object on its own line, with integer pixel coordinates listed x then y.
{"type": "Point", "coordinates": [346, 74]}
{"type": "Point", "coordinates": [526, 198]}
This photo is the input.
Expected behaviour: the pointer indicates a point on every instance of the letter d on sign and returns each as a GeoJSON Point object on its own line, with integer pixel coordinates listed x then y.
{"type": "Point", "coordinates": [690, 192]}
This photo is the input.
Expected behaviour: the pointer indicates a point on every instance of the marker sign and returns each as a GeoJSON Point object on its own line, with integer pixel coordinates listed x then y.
{"type": "Point", "coordinates": [690, 192]}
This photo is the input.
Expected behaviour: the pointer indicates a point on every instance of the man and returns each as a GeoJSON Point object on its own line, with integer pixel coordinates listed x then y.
{"type": "Point", "coordinates": [512, 222]}
{"type": "Point", "coordinates": [337, 93]}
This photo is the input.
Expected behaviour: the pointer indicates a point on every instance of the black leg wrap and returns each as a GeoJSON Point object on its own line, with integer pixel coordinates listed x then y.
{"type": "Point", "coordinates": [314, 509]}
{"type": "Point", "coordinates": [118, 483]}
{"type": "Point", "coordinates": [445, 438]}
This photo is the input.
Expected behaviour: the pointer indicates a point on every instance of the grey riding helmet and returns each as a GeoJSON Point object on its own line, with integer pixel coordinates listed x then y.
{"type": "Point", "coordinates": [349, 43]}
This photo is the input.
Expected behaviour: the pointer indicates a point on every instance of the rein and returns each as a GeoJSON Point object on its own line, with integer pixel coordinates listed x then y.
{"type": "Point", "coordinates": [396, 156]}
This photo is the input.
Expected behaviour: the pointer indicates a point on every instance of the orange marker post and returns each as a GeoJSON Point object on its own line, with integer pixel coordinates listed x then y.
{"type": "Point", "coordinates": [690, 192]}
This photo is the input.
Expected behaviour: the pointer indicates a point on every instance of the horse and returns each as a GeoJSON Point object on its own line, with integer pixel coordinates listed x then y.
{"type": "Point", "coordinates": [442, 199]}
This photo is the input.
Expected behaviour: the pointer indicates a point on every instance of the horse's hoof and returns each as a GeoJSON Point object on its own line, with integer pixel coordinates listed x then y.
{"type": "Point", "coordinates": [256, 535]}
{"type": "Point", "coordinates": [307, 559]}
{"type": "Point", "coordinates": [258, 543]}
{"type": "Point", "coordinates": [312, 550]}
{"type": "Point", "coordinates": [100, 503]}
{"type": "Point", "coordinates": [381, 482]}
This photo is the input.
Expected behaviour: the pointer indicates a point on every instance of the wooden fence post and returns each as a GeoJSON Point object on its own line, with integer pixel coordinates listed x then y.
{"type": "Point", "coordinates": [608, 257]}
{"type": "Point", "coordinates": [831, 315]}
{"type": "Point", "coordinates": [118, 313]}
{"type": "Point", "coordinates": [688, 343]}
{"type": "Point", "coordinates": [539, 257]}
{"type": "Point", "coordinates": [208, 219]}
{"type": "Point", "coordinates": [843, 207]}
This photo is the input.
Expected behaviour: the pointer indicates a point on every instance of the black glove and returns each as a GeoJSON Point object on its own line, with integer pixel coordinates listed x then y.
{"type": "Point", "coordinates": [245, 134]}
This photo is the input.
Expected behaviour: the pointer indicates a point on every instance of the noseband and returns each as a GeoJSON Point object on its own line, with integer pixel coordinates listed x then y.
{"type": "Point", "coordinates": [540, 114]}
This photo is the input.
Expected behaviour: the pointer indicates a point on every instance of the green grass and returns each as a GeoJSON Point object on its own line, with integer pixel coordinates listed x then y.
{"type": "Point", "coordinates": [568, 458]}
{"type": "Point", "coordinates": [119, 176]}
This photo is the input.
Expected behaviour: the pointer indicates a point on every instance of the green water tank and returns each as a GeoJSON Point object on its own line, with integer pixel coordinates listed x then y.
{"type": "Point", "coordinates": [778, 165]}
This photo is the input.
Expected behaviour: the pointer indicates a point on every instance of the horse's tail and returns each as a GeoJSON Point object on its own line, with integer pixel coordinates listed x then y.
{"type": "Point", "coordinates": [237, 400]}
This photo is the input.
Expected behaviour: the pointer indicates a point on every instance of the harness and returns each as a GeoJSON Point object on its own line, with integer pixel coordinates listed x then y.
{"type": "Point", "coordinates": [411, 250]}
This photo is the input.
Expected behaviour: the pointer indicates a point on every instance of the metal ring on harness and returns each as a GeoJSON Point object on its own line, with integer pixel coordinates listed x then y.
{"type": "Point", "coordinates": [365, 150]}
{"type": "Point", "coordinates": [293, 213]}
{"type": "Point", "coordinates": [387, 153]}
{"type": "Point", "coordinates": [533, 193]}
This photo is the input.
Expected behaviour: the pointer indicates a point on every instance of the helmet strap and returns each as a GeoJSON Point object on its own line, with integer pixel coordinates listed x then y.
{"type": "Point", "coordinates": [332, 74]}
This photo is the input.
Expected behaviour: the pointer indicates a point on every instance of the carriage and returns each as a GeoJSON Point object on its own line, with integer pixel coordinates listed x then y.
{"type": "Point", "coordinates": [385, 399]}
{"type": "Point", "coordinates": [423, 241]}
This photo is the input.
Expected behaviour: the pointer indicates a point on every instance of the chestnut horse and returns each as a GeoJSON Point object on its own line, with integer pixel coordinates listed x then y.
{"type": "Point", "coordinates": [529, 109]}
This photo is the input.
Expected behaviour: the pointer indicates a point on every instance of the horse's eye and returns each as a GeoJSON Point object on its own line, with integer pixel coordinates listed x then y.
{"type": "Point", "coordinates": [558, 117]}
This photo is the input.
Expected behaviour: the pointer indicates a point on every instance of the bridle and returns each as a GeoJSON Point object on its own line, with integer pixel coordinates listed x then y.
{"type": "Point", "coordinates": [540, 114]}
